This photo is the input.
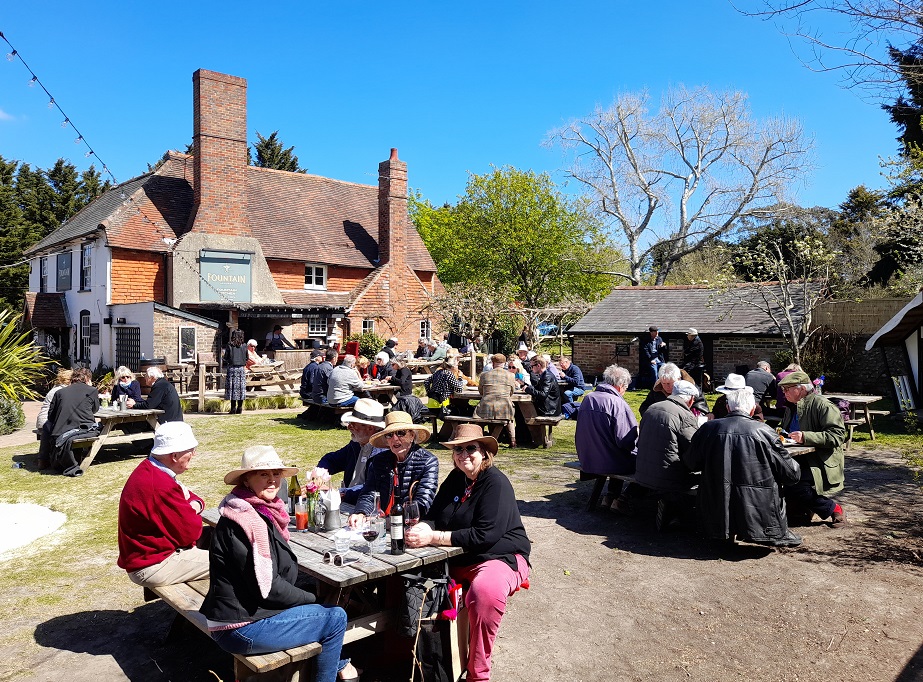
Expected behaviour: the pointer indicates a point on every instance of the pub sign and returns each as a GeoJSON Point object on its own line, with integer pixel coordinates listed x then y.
{"type": "Point", "coordinates": [225, 276]}
{"type": "Point", "coordinates": [64, 271]}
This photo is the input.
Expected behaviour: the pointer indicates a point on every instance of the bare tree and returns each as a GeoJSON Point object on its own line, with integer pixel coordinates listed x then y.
{"type": "Point", "coordinates": [669, 182]}
{"type": "Point", "coordinates": [861, 53]}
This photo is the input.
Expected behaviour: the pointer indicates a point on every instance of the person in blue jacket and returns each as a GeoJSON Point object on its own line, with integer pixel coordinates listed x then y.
{"type": "Point", "coordinates": [366, 419]}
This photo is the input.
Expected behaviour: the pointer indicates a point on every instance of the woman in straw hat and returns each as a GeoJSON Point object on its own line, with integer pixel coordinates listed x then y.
{"type": "Point", "coordinates": [392, 472]}
{"type": "Point", "coordinates": [252, 605]}
{"type": "Point", "coordinates": [476, 509]}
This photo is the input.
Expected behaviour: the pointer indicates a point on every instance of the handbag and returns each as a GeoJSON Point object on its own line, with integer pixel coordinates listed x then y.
{"type": "Point", "coordinates": [426, 596]}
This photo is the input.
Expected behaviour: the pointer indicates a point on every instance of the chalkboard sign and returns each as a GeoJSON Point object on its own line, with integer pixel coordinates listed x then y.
{"type": "Point", "coordinates": [622, 349]}
{"type": "Point", "coordinates": [94, 333]}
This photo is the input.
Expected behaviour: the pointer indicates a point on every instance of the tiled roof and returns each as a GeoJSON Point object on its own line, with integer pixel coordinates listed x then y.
{"type": "Point", "coordinates": [316, 299]}
{"type": "Point", "coordinates": [309, 218]}
{"type": "Point", "coordinates": [294, 216]}
{"type": "Point", "coordinates": [46, 310]}
{"type": "Point", "coordinates": [631, 310]}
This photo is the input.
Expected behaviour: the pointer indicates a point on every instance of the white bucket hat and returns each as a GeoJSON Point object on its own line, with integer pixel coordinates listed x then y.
{"type": "Point", "coordinates": [173, 437]}
{"type": "Point", "coordinates": [735, 382]}
{"type": "Point", "coordinates": [366, 411]}
{"type": "Point", "coordinates": [259, 458]}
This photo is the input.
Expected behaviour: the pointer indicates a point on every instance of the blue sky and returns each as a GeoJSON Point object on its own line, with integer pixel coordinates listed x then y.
{"type": "Point", "coordinates": [456, 87]}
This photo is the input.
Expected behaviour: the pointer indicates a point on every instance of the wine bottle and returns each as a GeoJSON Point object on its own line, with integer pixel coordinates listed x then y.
{"type": "Point", "coordinates": [397, 528]}
{"type": "Point", "coordinates": [294, 492]}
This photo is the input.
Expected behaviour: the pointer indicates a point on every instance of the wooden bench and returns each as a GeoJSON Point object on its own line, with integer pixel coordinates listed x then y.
{"type": "Point", "coordinates": [850, 425]}
{"type": "Point", "coordinates": [545, 424]}
{"type": "Point", "coordinates": [326, 411]}
{"type": "Point", "coordinates": [599, 482]}
{"type": "Point", "coordinates": [292, 664]}
{"type": "Point", "coordinates": [495, 426]}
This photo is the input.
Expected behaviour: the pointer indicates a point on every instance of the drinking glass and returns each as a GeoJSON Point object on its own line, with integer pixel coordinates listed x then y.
{"type": "Point", "coordinates": [411, 514]}
{"type": "Point", "coordinates": [372, 527]}
{"type": "Point", "coordinates": [301, 516]}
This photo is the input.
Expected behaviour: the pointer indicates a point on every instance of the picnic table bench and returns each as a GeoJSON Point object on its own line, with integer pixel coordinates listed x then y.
{"type": "Point", "coordinates": [494, 426]}
{"type": "Point", "coordinates": [540, 427]}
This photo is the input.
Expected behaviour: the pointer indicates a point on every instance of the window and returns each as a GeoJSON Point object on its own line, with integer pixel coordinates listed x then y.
{"type": "Point", "coordinates": [315, 276]}
{"type": "Point", "coordinates": [317, 326]}
{"type": "Point", "coordinates": [84, 336]}
{"type": "Point", "coordinates": [128, 347]}
{"type": "Point", "coordinates": [86, 263]}
{"type": "Point", "coordinates": [368, 326]}
{"type": "Point", "coordinates": [43, 274]}
{"type": "Point", "coordinates": [426, 329]}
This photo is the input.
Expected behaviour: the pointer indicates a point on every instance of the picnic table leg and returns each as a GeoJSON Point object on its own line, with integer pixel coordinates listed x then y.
{"type": "Point", "coordinates": [598, 484]}
{"type": "Point", "coordinates": [103, 435]}
{"type": "Point", "coordinates": [868, 420]}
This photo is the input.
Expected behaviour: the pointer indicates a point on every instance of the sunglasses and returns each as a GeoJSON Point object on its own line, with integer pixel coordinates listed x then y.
{"type": "Point", "coordinates": [459, 449]}
{"type": "Point", "coordinates": [399, 434]}
{"type": "Point", "coordinates": [338, 559]}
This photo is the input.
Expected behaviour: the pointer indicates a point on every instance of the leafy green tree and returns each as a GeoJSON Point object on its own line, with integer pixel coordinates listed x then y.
{"type": "Point", "coordinates": [854, 238]}
{"type": "Point", "coordinates": [900, 228]}
{"type": "Point", "coordinates": [907, 109]}
{"type": "Point", "coordinates": [269, 152]}
{"type": "Point", "coordinates": [21, 362]}
{"type": "Point", "coordinates": [513, 228]}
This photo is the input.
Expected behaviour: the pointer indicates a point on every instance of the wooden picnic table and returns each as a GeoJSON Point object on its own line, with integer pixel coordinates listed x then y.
{"type": "Point", "coordinates": [110, 419]}
{"type": "Point", "coordinates": [856, 400]}
{"type": "Point", "coordinates": [383, 393]}
{"type": "Point", "coordinates": [539, 427]}
{"type": "Point", "coordinates": [353, 584]}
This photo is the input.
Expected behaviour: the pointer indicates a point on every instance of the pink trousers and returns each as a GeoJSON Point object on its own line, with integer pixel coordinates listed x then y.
{"type": "Point", "coordinates": [488, 585]}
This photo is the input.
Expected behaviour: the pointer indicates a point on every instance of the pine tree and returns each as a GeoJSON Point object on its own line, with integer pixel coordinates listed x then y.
{"type": "Point", "coordinates": [270, 153]}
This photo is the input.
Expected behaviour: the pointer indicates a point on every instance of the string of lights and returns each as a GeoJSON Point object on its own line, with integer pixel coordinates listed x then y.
{"type": "Point", "coordinates": [168, 237]}
{"type": "Point", "coordinates": [13, 55]}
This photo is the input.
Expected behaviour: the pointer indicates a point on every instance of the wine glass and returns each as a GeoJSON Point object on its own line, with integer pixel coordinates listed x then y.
{"type": "Point", "coordinates": [372, 527]}
{"type": "Point", "coordinates": [411, 514]}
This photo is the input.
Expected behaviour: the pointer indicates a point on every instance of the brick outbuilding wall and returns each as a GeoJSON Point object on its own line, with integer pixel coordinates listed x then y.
{"type": "Point", "coordinates": [137, 276]}
{"type": "Point", "coordinates": [166, 336]}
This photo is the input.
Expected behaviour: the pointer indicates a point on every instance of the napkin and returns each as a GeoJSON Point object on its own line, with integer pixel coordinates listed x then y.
{"type": "Point", "coordinates": [331, 500]}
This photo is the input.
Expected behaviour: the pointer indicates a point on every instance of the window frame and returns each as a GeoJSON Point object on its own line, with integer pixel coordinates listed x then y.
{"type": "Point", "coordinates": [86, 266]}
{"type": "Point", "coordinates": [84, 336]}
{"type": "Point", "coordinates": [314, 323]}
{"type": "Point", "coordinates": [426, 329]}
{"type": "Point", "coordinates": [315, 267]}
{"type": "Point", "coordinates": [43, 274]}
{"type": "Point", "coordinates": [368, 326]}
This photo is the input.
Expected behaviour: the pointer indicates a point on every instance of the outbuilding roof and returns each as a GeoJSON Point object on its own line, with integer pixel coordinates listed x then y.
{"type": "Point", "coordinates": [631, 310]}
{"type": "Point", "coordinates": [46, 310]}
{"type": "Point", "coordinates": [899, 327]}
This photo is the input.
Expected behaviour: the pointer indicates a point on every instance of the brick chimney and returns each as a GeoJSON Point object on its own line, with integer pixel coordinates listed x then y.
{"type": "Point", "coordinates": [220, 162]}
{"type": "Point", "coordinates": [392, 210]}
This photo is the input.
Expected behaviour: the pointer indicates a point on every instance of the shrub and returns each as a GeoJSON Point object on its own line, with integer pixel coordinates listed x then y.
{"type": "Point", "coordinates": [11, 416]}
{"type": "Point", "coordinates": [369, 343]}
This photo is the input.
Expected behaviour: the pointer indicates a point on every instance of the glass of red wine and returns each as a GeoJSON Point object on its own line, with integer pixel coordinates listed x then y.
{"type": "Point", "coordinates": [372, 527]}
{"type": "Point", "coordinates": [411, 514]}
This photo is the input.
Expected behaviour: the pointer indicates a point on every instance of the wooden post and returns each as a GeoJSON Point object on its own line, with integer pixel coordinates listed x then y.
{"type": "Point", "coordinates": [201, 406]}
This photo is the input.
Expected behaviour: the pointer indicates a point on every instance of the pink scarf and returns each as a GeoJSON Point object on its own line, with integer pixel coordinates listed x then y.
{"type": "Point", "coordinates": [243, 507]}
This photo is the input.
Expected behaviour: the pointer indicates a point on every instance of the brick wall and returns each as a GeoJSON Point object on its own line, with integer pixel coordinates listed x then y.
{"type": "Point", "coordinates": [596, 352]}
{"type": "Point", "coordinates": [395, 300]}
{"type": "Point", "coordinates": [730, 351]}
{"type": "Point", "coordinates": [137, 276]}
{"type": "Point", "coordinates": [220, 154]}
{"type": "Point", "coordinates": [288, 275]}
{"type": "Point", "coordinates": [344, 279]}
{"type": "Point", "coordinates": [392, 210]}
{"type": "Point", "coordinates": [166, 336]}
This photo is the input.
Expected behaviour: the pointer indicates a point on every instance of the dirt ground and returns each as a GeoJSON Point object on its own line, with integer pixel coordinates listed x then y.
{"type": "Point", "coordinates": [612, 600]}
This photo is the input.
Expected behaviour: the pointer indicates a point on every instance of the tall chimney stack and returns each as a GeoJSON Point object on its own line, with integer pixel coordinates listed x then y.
{"type": "Point", "coordinates": [220, 154]}
{"type": "Point", "coordinates": [392, 210]}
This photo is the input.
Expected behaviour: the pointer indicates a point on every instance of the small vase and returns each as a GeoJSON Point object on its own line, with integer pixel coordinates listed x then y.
{"type": "Point", "coordinates": [312, 504]}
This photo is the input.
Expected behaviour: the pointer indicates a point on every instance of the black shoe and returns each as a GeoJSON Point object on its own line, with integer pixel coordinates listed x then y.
{"type": "Point", "coordinates": [787, 540]}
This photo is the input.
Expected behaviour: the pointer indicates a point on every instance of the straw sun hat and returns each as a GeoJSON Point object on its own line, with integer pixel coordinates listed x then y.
{"type": "Point", "coordinates": [399, 421]}
{"type": "Point", "coordinates": [259, 458]}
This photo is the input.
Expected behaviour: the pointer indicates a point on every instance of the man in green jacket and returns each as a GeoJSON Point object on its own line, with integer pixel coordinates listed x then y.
{"type": "Point", "coordinates": [815, 422]}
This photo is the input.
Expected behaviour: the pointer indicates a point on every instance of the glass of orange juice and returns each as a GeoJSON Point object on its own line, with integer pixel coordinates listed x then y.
{"type": "Point", "coordinates": [301, 517]}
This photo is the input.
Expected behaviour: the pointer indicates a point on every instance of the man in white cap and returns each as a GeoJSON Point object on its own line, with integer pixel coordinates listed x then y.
{"type": "Point", "coordinates": [159, 518]}
{"type": "Point", "coordinates": [366, 419]}
{"type": "Point", "coordinates": [694, 355]}
{"type": "Point", "coordinates": [734, 383]}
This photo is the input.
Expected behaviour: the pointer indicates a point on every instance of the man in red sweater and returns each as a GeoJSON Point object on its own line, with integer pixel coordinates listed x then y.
{"type": "Point", "coordinates": [159, 518]}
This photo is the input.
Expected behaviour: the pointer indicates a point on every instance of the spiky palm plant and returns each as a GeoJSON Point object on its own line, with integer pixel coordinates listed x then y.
{"type": "Point", "coordinates": [21, 362]}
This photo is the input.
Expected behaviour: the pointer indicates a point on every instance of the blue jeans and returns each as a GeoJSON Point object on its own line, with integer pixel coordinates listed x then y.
{"type": "Point", "coordinates": [293, 627]}
{"type": "Point", "coordinates": [572, 393]}
{"type": "Point", "coordinates": [348, 401]}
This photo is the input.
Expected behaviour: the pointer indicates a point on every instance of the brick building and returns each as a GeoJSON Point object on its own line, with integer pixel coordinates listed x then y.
{"type": "Point", "coordinates": [207, 242]}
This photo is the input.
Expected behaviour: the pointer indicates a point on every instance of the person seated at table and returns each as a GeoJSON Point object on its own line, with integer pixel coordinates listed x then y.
{"type": "Point", "coordinates": [573, 375]}
{"type": "Point", "coordinates": [306, 390]}
{"type": "Point", "coordinates": [252, 604]}
{"type": "Point", "coordinates": [402, 377]}
{"type": "Point", "coordinates": [72, 415]}
{"type": "Point", "coordinates": [126, 384]}
{"type": "Point", "coordinates": [391, 472]}
{"type": "Point", "coordinates": [522, 352]}
{"type": "Point", "coordinates": [344, 387]}
{"type": "Point", "coordinates": [763, 382]}
{"type": "Point", "coordinates": [667, 375]}
{"type": "Point", "coordinates": [253, 358]}
{"type": "Point", "coordinates": [453, 357]}
{"type": "Point", "coordinates": [734, 382]}
{"type": "Point", "coordinates": [545, 392]}
{"type": "Point", "coordinates": [664, 436]}
{"type": "Point", "coordinates": [607, 432]}
{"type": "Point", "coordinates": [46, 442]}
{"type": "Point", "coordinates": [496, 387]}
{"type": "Point", "coordinates": [440, 386]}
{"type": "Point", "coordinates": [518, 370]}
{"type": "Point", "coordinates": [476, 509]}
{"type": "Point", "coordinates": [275, 340]}
{"type": "Point", "coordinates": [423, 350]}
{"type": "Point", "coordinates": [362, 366]}
{"type": "Point", "coordinates": [389, 347]}
{"type": "Point", "coordinates": [160, 519]}
{"type": "Point", "coordinates": [163, 396]}
{"type": "Point", "coordinates": [322, 377]}
{"type": "Point", "coordinates": [744, 466]}
{"type": "Point", "coordinates": [781, 402]}
{"type": "Point", "coordinates": [437, 350]}
{"type": "Point", "coordinates": [366, 419]}
{"type": "Point", "coordinates": [814, 421]}
{"type": "Point", "coordinates": [382, 369]}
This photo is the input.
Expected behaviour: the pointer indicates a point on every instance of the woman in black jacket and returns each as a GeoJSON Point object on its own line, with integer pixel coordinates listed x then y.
{"type": "Point", "coordinates": [545, 392]}
{"type": "Point", "coordinates": [476, 509]}
{"type": "Point", "coordinates": [235, 360]}
{"type": "Point", "coordinates": [403, 377]}
{"type": "Point", "coordinates": [253, 605]}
